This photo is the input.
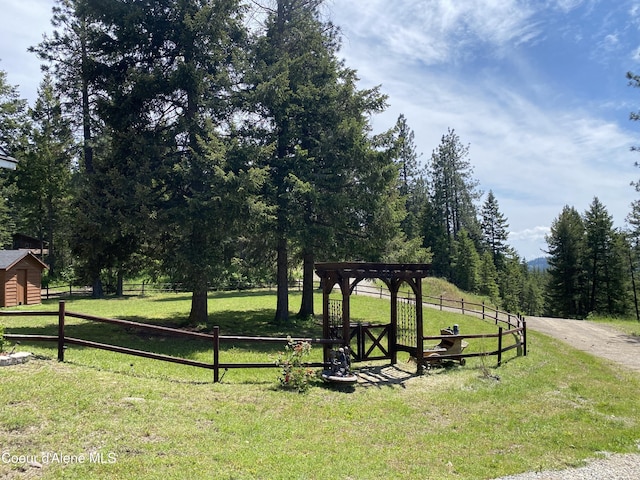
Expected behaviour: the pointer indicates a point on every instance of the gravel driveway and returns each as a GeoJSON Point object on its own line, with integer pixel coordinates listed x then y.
{"type": "Point", "coordinates": [600, 340]}
{"type": "Point", "coordinates": [609, 343]}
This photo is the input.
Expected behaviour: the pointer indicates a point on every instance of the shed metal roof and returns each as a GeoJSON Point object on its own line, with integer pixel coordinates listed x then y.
{"type": "Point", "coordinates": [8, 258]}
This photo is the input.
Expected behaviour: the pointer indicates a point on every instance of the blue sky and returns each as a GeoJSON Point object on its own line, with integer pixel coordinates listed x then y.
{"type": "Point", "coordinates": [537, 89]}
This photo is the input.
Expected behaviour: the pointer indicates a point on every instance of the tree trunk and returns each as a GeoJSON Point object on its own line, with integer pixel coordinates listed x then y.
{"type": "Point", "coordinates": [199, 307]}
{"type": "Point", "coordinates": [306, 306]}
{"type": "Point", "coordinates": [97, 291]}
{"type": "Point", "coordinates": [282, 279]}
{"type": "Point", "coordinates": [86, 106]}
{"type": "Point", "coordinates": [119, 284]}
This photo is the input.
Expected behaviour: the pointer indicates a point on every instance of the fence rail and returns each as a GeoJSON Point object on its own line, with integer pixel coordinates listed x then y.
{"type": "Point", "coordinates": [519, 333]}
{"type": "Point", "coordinates": [480, 310]}
{"type": "Point", "coordinates": [215, 338]}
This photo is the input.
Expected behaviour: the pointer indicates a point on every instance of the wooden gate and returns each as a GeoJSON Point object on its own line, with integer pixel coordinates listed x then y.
{"type": "Point", "coordinates": [368, 341]}
{"type": "Point", "coordinates": [371, 342]}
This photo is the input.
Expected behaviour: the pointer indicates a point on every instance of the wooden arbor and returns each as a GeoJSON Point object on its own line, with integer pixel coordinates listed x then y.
{"type": "Point", "coordinates": [348, 275]}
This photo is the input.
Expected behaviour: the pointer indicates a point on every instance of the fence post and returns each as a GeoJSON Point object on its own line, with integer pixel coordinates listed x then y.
{"type": "Point", "coordinates": [483, 309]}
{"type": "Point", "coordinates": [499, 346]}
{"type": "Point", "coordinates": [462, 303]}
{"type": "Point", "coordinates": [216, 354]}
{"type": "Point", "coordinates": [61, 332]}
{"type": "Point", "coordinates": [524, 336]}
{"type": "Point", "coordinates": [440, 302]}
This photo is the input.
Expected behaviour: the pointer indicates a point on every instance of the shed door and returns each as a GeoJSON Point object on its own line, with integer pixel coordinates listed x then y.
{"type": "Point", "coordinates": [22, 287]}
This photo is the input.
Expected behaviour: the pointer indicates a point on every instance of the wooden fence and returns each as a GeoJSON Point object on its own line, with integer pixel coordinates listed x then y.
{"type": "Point", "coordinates": [463, 306]}
{"type": "Point", "coordinates": [519, 333]}
{"type": "Point", "coordinates": [215, 339]}
{"type": "Point", "coordinates": [510, 324]}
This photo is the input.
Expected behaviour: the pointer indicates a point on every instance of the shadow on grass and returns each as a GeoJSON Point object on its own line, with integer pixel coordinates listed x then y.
{"type": "Point", "coordinates": [383, 376]}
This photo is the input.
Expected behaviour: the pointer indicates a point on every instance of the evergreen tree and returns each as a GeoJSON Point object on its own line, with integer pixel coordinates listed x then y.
{"type": "Point", "coordinates": [466, 262]}
{"type": "Point", "coordinates": [14, 128]}
{"type": "Point", "coordinates": [168, 75]}
{"type": "Point", "coordinates": [14, 122]}
{"type": "Point", "coordinates": [565, 294]}
{"type": "Point", "coordinates": [453, 193]}
{"type": "Point", "coordinates": [412, 180]}
{"type": "Point", "coordinates": [71, 60]}
{"type": "Point", "coordinates": [494, 228]}
{"type": "Point", "coordinates": [532, 300]}
{"type": "Point", "coordinates": [329, 187]}
{"type": "Point", "coordinates": [598, 242]}
{"type": "Point", "coordinates": [43, 176]}
{"type": "Point", "coordinates": [512, 282]}
{"type": "Point", "coordinates": [617, 288]}
{"type": "Point", "coordinates": [488, 277]}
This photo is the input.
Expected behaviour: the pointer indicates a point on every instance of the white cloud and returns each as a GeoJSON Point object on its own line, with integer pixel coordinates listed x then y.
{"type": "Point", "coordinates": [436, 31]}
{"type": "Point", "coordinates": [535, 233]}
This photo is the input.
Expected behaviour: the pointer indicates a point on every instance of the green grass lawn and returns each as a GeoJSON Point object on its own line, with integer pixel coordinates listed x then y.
{"type": "Point", "coordinates": [151, 419]}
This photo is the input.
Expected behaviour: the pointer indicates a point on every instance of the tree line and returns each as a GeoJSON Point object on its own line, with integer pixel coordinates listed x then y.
{"type": "Point", "coordinates": [206, 142]}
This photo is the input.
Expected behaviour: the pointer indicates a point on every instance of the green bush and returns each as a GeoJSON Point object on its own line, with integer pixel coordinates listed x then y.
{"type": "Point", "coordinates": [295, 375]}
{"type": "Point", "coordinates": [1, 338]}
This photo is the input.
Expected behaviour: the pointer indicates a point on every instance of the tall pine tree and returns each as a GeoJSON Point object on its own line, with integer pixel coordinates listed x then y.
{"type": "Point", "coordinates": [330, 189]}
{"type": "Point", "coordinates": [453, 193]}
{"type": "Point", "coordinates": [567, 278]}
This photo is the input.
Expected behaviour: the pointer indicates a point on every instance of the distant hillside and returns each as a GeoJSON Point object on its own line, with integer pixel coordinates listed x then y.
{"type": "Point", "coordinates": [539, 263]}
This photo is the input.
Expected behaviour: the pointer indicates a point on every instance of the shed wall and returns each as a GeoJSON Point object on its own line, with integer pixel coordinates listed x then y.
{"type": "Point", "coordinates": [10, 287]}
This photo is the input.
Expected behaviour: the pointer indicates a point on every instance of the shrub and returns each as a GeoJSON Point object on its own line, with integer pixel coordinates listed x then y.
{"type": "Point", "coordinates": [1, 338]}
{"type": "Point", "coordinates": [295, 375]}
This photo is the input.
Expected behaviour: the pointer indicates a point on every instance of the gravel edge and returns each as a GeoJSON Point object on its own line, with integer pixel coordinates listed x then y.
{"type": "Point", "coordinates": [613, 467]}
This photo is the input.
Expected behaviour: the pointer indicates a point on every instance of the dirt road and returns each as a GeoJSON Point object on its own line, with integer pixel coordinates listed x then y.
{"type": "Point", "coordinates": [597, 339]}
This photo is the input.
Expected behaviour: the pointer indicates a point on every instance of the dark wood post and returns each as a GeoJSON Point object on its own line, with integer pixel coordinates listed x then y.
{"type": "Point", "coordinates": [360, 342]}
{"type": "Point", "coordinates": [61, 331]}
{"type": "Point", "coordinates": [499, 346]}
{"type": "Point", "coordinates": [524, 336]}
{"type": "Point", "coordinates": [325, 317]}
{"type": "Point", "coordinates": [346, 311]}
{"type": "Point", "coordinates": [393, 334]}
{"type": "Point", "coordinates": [419, 324]}
{"type": "Point", "coordinates": [216, 354]}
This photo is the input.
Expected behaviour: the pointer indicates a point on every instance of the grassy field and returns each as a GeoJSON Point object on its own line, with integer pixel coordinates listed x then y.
{"type": "Point", "coordinates": [116, 416]}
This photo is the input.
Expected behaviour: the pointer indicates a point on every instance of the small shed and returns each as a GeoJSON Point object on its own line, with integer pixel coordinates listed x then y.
{"type": "Point", "coordinates": [20, 278]}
